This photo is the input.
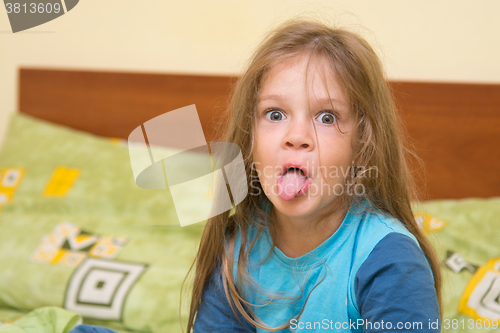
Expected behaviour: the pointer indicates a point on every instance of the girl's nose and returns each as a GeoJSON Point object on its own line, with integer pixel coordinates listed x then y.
{"type": "Point", "coordinates": [300, 135]}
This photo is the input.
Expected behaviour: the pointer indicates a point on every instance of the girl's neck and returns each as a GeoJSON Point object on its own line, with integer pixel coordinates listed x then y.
{"type": "Point", "coordinates": [296, 237]}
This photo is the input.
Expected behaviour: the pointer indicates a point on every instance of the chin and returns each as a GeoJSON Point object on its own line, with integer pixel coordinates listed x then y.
{"type": "Point", "coordinates": [297, 207]}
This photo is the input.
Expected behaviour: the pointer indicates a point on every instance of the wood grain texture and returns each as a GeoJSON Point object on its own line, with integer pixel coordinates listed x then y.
{"type": "Point", "coordinates": [113, 103]}
{"type": "Point", "coordinates": [454, 128]}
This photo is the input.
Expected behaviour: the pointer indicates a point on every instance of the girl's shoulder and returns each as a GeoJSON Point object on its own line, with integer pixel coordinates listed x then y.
{"type": "Point", "coordinates": [381, 235]}
{"type": "Point", "coordinates": [373, 225]}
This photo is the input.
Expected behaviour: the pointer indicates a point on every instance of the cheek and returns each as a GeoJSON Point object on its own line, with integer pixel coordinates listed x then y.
{"type": "Point", "coordinates": [257, 145]}
{"type": "Point", "coordinates": [263, 150]}
{"type": "Point", "coordinates": [336, 164]}
{"type": "Point", "coordinates": [268, 135]}
{"type": "Point", "coordinates": [261, 165]}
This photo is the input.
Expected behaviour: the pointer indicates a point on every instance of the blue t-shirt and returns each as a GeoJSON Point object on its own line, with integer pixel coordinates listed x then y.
{"type": "Point", "coordinates": [369, 276]}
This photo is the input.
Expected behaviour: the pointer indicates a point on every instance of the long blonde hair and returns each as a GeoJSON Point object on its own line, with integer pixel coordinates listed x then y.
{"type": "Point", "coordinates": [379, 144]}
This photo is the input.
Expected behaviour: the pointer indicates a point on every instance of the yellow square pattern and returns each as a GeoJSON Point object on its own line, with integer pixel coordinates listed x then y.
{"type": "Point", "coordinates": [115, 141]}
{"type": "Point", "coordinates": [9, 181]}
{"type": "Point", "coordinates": [480, 299]}
{"type": "Point", "coordinates": [429, 223]}
{"type": "Point", "coordinates": [105, 247]}
{"type": "Point", "coordinates": [67, 245]}
{"type": "Point", "coordinates": [61, 182]}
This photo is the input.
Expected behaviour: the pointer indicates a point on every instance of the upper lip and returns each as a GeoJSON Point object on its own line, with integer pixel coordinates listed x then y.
{"type": "Point", "coordinates": [295, 165]}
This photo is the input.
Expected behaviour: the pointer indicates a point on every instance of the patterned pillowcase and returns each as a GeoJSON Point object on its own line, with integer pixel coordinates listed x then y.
{"type": "Point", "coordinates": [77, 232]}
{"type": "Point", "coordinates": [465, 234]}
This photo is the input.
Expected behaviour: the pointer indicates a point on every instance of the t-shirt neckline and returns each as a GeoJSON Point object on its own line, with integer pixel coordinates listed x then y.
{"type": "Point", "coordinates": [324, 249]}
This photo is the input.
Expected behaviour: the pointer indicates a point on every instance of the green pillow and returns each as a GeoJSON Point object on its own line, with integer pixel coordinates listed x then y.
{"type": "Point", "coordinates": [77, 232]}
{"type": "Point", "coordinates": [43, 320]}
{"type": "Point", "coordinates": [72, 219]}
{"type": "Point", "coordinates": [465, 234]}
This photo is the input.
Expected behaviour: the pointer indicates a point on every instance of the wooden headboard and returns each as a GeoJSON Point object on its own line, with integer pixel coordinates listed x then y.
{"type": "Point", "coordinates": [455, 128]}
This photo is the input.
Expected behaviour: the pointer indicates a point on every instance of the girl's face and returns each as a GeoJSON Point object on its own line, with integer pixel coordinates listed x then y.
{"type": "Point", "coordinates": [298, 100]}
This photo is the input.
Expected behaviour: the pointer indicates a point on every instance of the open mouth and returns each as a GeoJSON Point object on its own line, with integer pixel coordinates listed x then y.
{"type": "Point", "coordinates": [293, 183]}
{"type": "Point", "coordinates": [295, 169]}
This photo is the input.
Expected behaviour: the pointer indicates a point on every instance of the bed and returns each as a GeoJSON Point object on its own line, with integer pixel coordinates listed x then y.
{"type": "Point", "coordinates": [80, 241]}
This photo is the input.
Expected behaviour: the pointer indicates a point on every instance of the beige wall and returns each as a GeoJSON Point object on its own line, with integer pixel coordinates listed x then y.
{"type": "Point", "coordinates": [426, 40]}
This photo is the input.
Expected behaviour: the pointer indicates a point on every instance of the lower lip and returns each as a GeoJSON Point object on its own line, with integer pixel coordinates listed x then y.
{"type": "Point", "coordinates": [304, 188]}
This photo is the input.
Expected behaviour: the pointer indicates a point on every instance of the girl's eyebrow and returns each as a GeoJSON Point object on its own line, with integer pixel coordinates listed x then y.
{"type": "Point", "coordinates": [321, 101]}
{"type": "Point", "coordinates": [271, 97]}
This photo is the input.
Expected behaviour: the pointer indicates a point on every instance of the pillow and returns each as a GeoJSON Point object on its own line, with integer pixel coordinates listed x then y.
{"type": "Point", "coordinates": [465, 234]}
{"type": "Point", "coordinates": [43, 320]}
{"type": "Point", "coordinates": [72, 219]}
{"type": "Point", "coordinates": [77, 232]}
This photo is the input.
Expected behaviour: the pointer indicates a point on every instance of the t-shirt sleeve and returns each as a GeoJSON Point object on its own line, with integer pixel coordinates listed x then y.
{"type": "Point", "coordinates": [215, 313]}
{"type": "Point", "coordinates": [394, 287]}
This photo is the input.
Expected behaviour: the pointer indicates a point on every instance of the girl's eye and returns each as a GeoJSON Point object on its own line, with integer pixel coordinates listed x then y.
{"type": "Point", "coordinates": [275, 115]}
{"type": "Point", "coordinates": [327, 118]}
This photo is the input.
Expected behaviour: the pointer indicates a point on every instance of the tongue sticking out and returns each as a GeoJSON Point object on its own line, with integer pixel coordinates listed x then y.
{"type": "Point", "coordinates": [290, 184]}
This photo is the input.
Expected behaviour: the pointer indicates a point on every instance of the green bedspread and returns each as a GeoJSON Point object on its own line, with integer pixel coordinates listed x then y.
{"type": "Point", "coordinates": [43, 320]}
{"type": "Point", "coordinates": [76, 232]}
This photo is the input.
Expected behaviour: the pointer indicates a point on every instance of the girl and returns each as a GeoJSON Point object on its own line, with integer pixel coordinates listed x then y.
{"type": "Point", "coordinates": [326, 239]}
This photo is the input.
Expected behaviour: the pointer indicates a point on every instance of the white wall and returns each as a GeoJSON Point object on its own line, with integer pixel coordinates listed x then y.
{"type": "Point", "coordinates": [425, 40]}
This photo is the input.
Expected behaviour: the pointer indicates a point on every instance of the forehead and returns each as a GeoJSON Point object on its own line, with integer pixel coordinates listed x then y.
{"type": "Point", "coordinates": [311, 74]}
